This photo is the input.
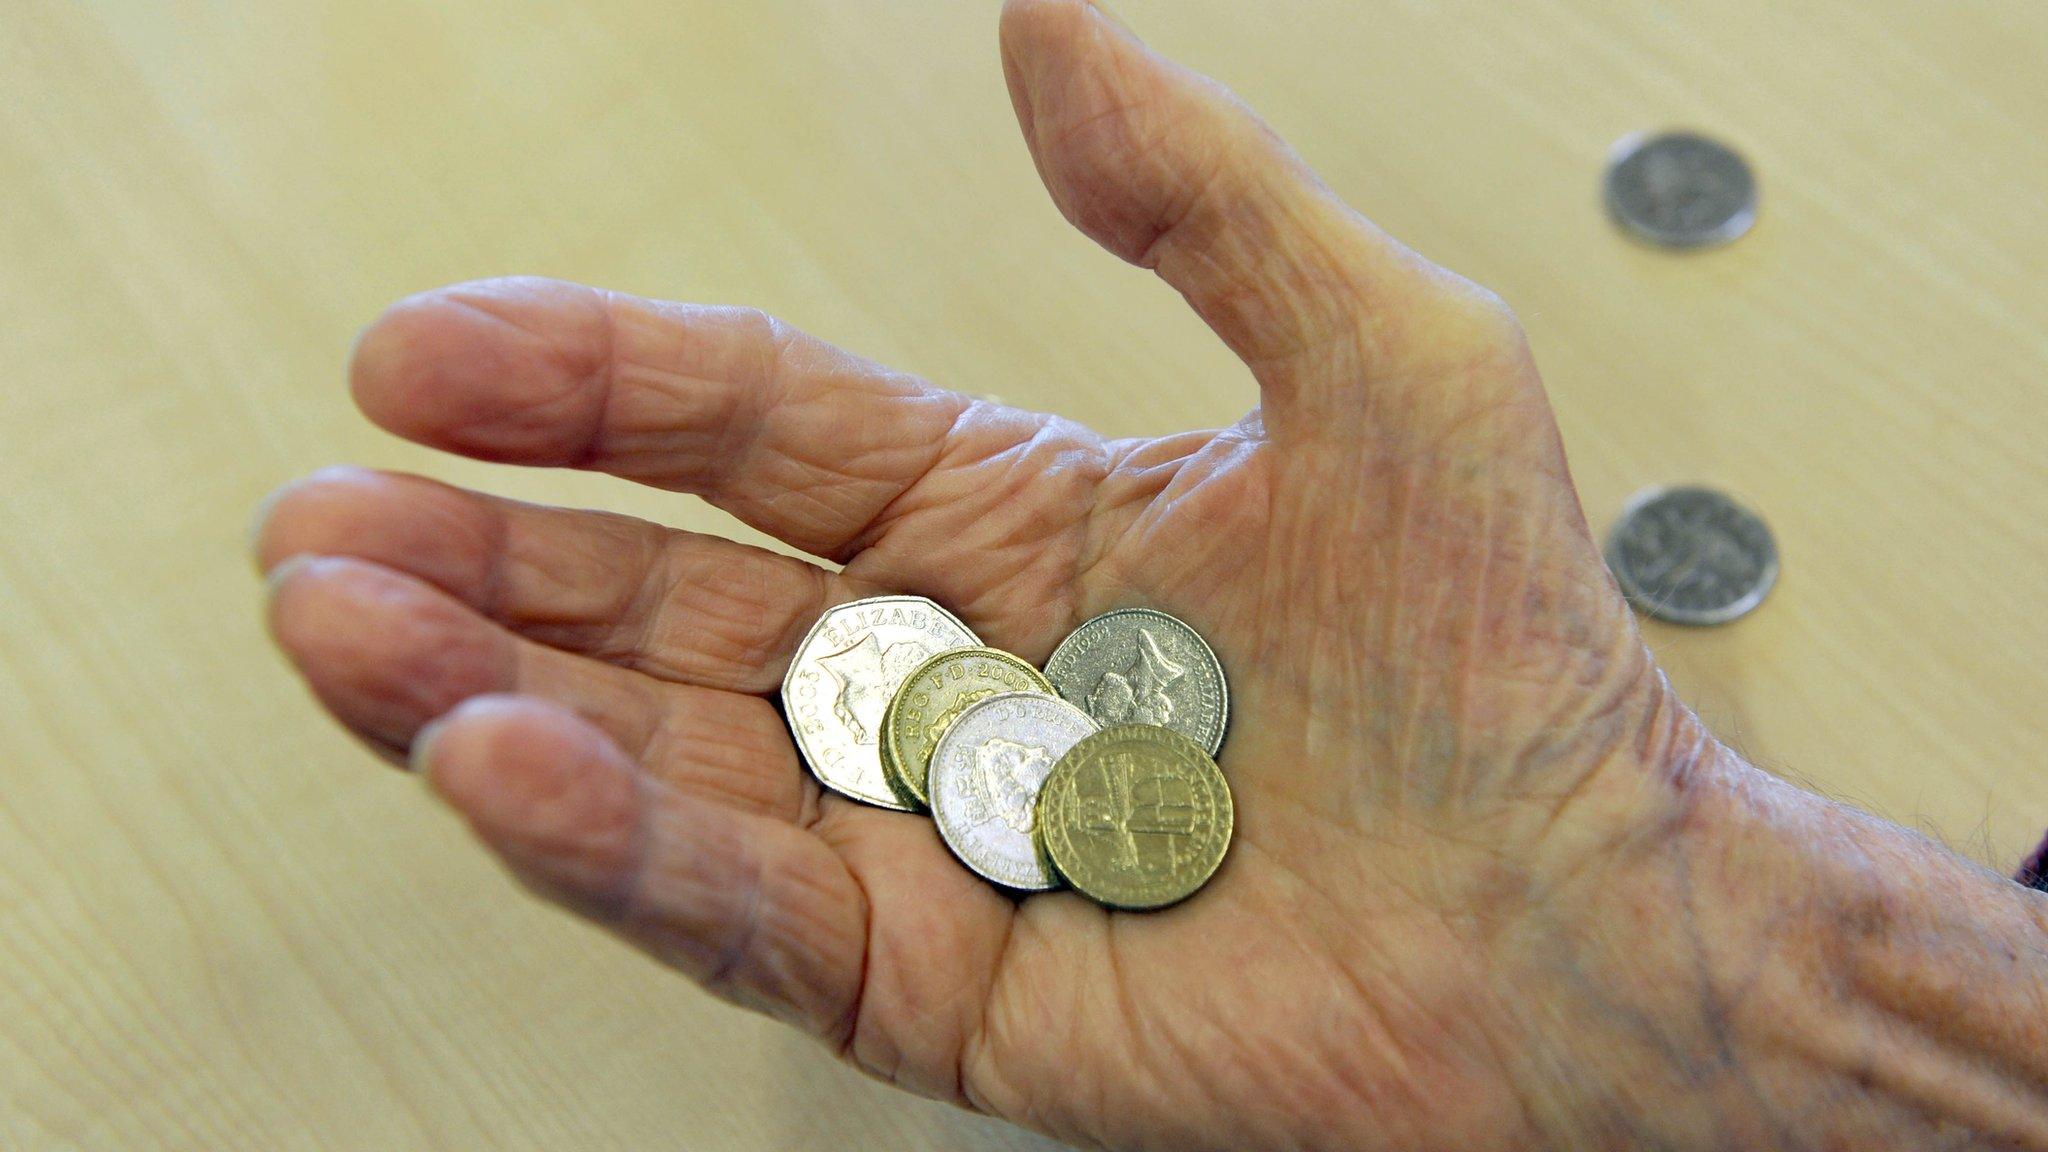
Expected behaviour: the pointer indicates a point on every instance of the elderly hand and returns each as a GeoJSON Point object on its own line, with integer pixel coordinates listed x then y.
{"type": "Point", "coordinates": [1478, 838]}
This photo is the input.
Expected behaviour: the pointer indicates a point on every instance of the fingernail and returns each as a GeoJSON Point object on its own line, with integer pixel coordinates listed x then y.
{"type": "Point", "coordinates": [419, 758]}
{"type": "Point", "coordinates": [262, 517]}
{"type": "Point", "coordinates": [283, 572]}
{"type": "Point", "coordinates": [1104, 11]}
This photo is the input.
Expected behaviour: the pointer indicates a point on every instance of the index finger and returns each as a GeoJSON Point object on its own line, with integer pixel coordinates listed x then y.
{"type": "Point", "coordinates": [797, 438]}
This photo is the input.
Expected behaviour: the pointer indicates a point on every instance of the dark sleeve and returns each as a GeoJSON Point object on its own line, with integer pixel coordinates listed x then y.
{"type": "Point", "coordinates": [2034, 869]}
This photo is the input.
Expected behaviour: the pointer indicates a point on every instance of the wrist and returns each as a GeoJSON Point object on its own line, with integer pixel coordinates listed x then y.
{"type": "Point", "coordinates": [1742, 964]}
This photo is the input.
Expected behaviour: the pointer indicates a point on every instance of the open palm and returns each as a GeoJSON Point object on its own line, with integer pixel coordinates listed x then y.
{"type": "Point", "coordinates": [1429, 668]}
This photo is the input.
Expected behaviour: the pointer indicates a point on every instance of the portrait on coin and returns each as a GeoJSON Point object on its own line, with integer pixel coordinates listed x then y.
{"type": "Point", "coordinates": [868, 675]}
{"type": "Point", "coordinates": [1137, 694]}
{"type": "Point", "coordinates": [1007, 775]}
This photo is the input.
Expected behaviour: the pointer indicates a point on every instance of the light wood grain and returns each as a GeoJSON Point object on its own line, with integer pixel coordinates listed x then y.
{"type": "Point", "coordinates": [222, 926]}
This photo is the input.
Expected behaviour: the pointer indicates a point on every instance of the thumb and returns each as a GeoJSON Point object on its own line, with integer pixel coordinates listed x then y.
{"type": "Point", "coordinates": [1168, 170]}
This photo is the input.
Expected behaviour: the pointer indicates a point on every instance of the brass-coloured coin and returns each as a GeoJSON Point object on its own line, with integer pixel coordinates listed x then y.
{"type": "Point", "coordinates": [892, 773]}
{"type": "Point", "coordinates": [933, 696]}
{"type": "Point", "coordinates": [1135, 817]}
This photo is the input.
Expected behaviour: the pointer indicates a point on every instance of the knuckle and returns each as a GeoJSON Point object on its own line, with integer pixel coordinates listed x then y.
{"type": "Point", "coordinates": [1475, 335]}
{"type": "Point", "coordinates": [1489, 321]}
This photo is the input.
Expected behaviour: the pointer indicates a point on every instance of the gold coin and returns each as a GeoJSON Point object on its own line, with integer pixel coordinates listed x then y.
{"type": "Point", "coordinates": [892, 773]}
{"type": "Point", "coordinates": [933, 696]}
{"type": "Point", "coordinates": [1135, 817]}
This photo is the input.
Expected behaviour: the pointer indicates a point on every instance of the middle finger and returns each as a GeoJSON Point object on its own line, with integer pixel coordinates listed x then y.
{"type": "Point", "coordinates": [678, 606]}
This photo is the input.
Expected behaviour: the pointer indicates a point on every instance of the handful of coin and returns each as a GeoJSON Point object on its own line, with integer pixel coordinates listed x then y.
{"type": "Point", "coordinates": [1096, 773]}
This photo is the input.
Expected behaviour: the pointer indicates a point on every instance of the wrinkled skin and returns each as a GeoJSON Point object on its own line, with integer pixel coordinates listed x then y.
{"type": "Point", "coordinates": [1443, 716]}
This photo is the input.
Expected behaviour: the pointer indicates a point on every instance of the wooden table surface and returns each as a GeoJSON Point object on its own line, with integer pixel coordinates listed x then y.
{"type": "Point", "coordinates": [223, 926]}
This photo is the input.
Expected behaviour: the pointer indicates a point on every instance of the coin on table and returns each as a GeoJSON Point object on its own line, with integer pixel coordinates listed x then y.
{"type": "Point", "coordinates": [985, 775]}
{"type": "Point", "coordinates": [1680, 189]}
{"type": "Point", "coordinates": [1135, 816]}
{"type": "Point", "coordinates": [933, 696]}
{"type": "Point", "coordinates": [1691, 556]}
{"type": "Point", "coordinates": [1138, 666]}
{"type": "Point", "coordinates": [845, 673]}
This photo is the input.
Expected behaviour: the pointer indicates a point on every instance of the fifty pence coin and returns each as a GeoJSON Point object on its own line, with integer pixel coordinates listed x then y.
{"type": "Point", "coordinates": [1692, 556]}
{"type": "Point", "coordinates": [1138, 666]}
{"type": "Point", "coordinates": [932, 697]}
{"type": "Point", "coordinates": [985, 776]}
{"type": "Point", "coordinates": [845, 673]}
{"type": "Point", "coordinates": [1680, 190]}
{"type": "Point", "coordinates": [1135, 817]}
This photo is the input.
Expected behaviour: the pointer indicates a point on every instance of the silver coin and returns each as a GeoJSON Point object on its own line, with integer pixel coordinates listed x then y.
{"type": "Point", "coordinates": [1692, 556]}
{"type": "Point", "coordinates": [1680, 190]}
{"type": "Point", "coordinates": [843, 676]}
{"type": "Point", "coordinates": [985, 776]}
{"type": "Point", "coordinates": [1138, 666]}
